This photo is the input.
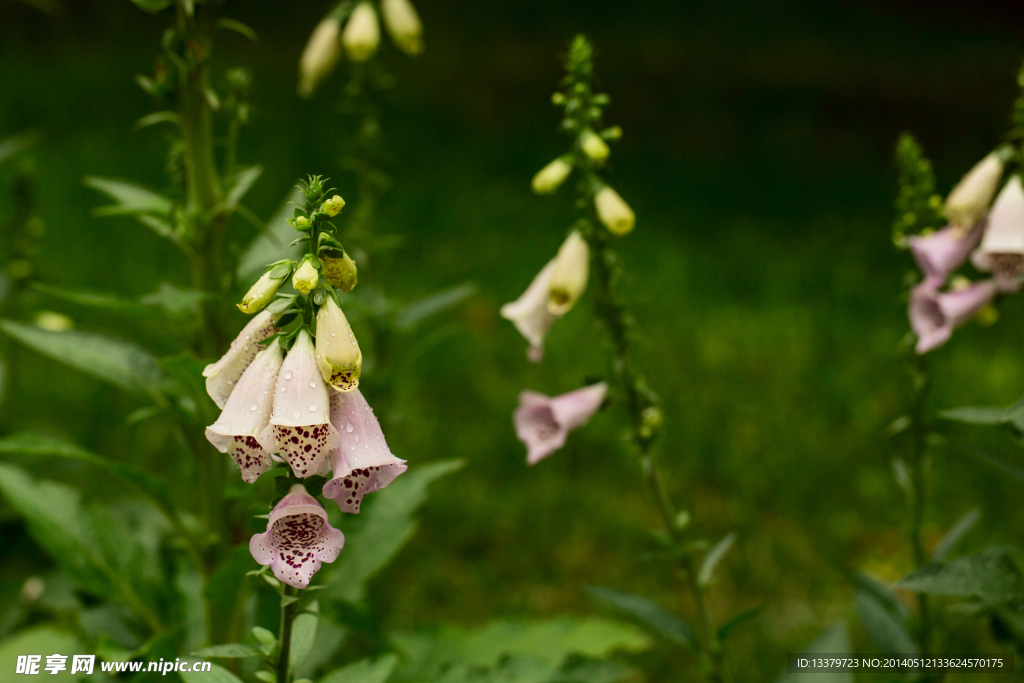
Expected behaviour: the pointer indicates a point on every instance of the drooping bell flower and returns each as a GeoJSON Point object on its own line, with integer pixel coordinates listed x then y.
{"type": "Point", "coordinates": [1002, 248]}
{"type": "Point", "coordinates": [260, 294]}
{"type": "Point", "coordinates": [572, 270]}
{"type": "Point", "coordinates": [298, 539]}
{"type": "Point", "coordinates": [613, 211]}
{"type": "Point", "coordinates": [968, 201]}
{"type": "Point", "coordinates": [334, 205]}
{"type": "Point", "coordinates": [362, 33]}
{"type": "Point", "coordinates": [934, 315]}
{"type": "Point", "coordinates": [306, 276]}
{"type": "Point", "coordinates": [942, 252]}
{"type": "Point", "coordinates": [594, 147]}
{"type": "Point", "coordinates": [543, 423]}
{"type": "Point", "coordinates": [404, 25]}
{"type": "Point", "coordinates": [300, 429]}
{"type": "Point", "coordinates": [551, 177]}
{"type": "Point", "coordinates": [321, 54]}
{"type": "Point", "coordinates": [337, 352]}
{"type": "Point", "coordinates": [530, 314]}
{"type": "Point", "coordinates": [341, 272]}
{"type": "Point", "coordinates": [222, 375]}
{"type": "Point", "coordinates": [363, 462]}
{"type": "Point", "coordinates": [247, 413]}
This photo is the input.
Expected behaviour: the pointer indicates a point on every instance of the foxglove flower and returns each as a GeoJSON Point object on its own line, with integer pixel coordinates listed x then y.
{"type": "Point", "coordinates": [1002, 248]}
{"type": "Point", "coordinates": [306, 277]}
{"type": "Point", "coordinates": [530, 314]}
{"type": "Point", "coordinates": [247, 413]}
{"type": "Point", "coordinates": [934, 315]}
{"type": "Point", "coordinates": [222, 375]}
{"type": "Point", "coordinates": [942, 252]}
{"type": "Point", "coordinates": [362, 33]}
{"type": "Point", "coordinates": [968, 201]}
{"type": "Point", "coordinates": [260, 294]}
{"type": "Point", "coordinates": [298, 539]}
{"type": "Point", "coordinates": [321, 54]}
{"type": "Point", "coordinates": [363, 462]}
{"type": "Point", "coordinates": [334, 205]}
{"type": "Point", "coordinates": [342, 272]}
{"type": "Point", "coordinates": [404, 25]}
{"type": "Point", "coordinates": [569, 278]}
{"type": "Point", "coordinates": [551, 177]}
{"type": "Point", "coordinates": [300, 428]}
{"type": "Point", "coordinates": [337, 351]}
{"type": "Point", "coordinates": [593, 146]}
{"type": "Point", "coordinates": [543, 423]}
{"type": "Point", "coordinates": [613, 211]}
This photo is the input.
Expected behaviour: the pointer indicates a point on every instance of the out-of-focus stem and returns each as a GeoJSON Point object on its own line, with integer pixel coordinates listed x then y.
{"type": "Point", "coordinates": [918, 498]}
{"type": "Point", "coordinates": [284, 642]}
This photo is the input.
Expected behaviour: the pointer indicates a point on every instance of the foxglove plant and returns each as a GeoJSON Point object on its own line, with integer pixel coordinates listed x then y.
{"type": "Point", "coordinates": [543, 423]}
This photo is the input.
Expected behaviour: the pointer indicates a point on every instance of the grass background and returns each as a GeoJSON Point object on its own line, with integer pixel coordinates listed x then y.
{"type": "Point", "coordinates": [757, 155]}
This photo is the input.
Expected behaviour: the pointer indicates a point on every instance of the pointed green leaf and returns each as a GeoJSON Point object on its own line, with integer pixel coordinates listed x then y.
{"type": "Point", "coordinates": [364, 671]}
{"type": "Point", "coordinates": [714, 556]}
{"type": "Point", "coordinates": [228, 651]}
{"type": "Point", "coordinates": [303, 637]}
{"type": "Point", "coordinates": [955, 533]}
{"type": "Point", "coordinates": [412, 315]}
{"type": "Point", "coordinates": [40, 640]}
{"type": "Point", "coordinates": [157, 117]}
{"type": "Point", "coordinates": [244, 180]}
{"type": "Point", "coordinates": [883, 627]}
{"type": "Point", "coordinates": [237, 27]}
{"type": "Point", "coordinates": [991, 575]}
{"type": "Point", "coordinates": [739, 619]}
{"type": "Point", "coordinates": [130, 198]}
{"type": "Point", "coordinates": [16, 144]}
{"type": "Point", "coordinates": [650, 613]}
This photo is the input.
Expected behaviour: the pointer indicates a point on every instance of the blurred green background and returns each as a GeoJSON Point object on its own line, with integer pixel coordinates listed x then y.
{"type": "Point", "coordinates": [757, 155]}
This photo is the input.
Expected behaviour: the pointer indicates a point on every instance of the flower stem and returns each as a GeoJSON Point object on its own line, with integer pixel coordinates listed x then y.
{"type": "Point", "coordinates": [918, 497]}
{"type": "Point", "coordinates": [284, 643]}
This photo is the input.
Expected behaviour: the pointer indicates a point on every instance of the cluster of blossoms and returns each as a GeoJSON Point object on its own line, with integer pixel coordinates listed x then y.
{"type": "Point", "coordinates": [288, 392]}
{"type": "Point", "coordinates": [542, 423]}
{"type": "Point", "coordinates": [990, 233]}
{"type": "Point", "coordinates": [357, 31]}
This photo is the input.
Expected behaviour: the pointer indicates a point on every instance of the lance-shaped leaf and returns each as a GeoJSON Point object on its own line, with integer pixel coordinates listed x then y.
{"type": "Point", "coordinates": [364, 671]}
{"type": "Point", "coordinates": [883, 627]}
{"type": "Point", "coordinates": [413, 314]}
{"type": "Point", "coordinates": [955, 533]}
{"type": "Point", "coordinates": [991, 575]}
{"type": "Point", "coordinates": [131, 199]}
{"type": "Point", "coordinates": [120, 363]}
{"type": "Point", "coordinates": [16, 144]}
{"type": "Point", "coordinates": [227, 651]}
{"type": "Point", "coordinates": [651, 614]}
{"type": "Point", "coordinates": [991, 415]}
{"type": "Point", "coordinates": [244, 180]}
{"type": "Point", "coordinates": [271, 245]}
{"type": "Point", "coordinates": [713, 557]}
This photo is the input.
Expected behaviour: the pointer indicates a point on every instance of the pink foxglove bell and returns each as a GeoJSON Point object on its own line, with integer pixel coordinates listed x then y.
{"type": "Point", "coordinates": [530, 313]}
{"type": "Point", "coordinates": [222, 375]}
{"type": "Point", "coordinates": [1002, 248]}
{"type": "Point", "coordinates": [543, 422]}
{"type": "Point", "coordinates": [942, 252]}
{"type": "Point", "coordinates": [934, 315]}
{"type": "Point", "coordinates": [298, 539]}
{"type": "Point", "coordinates": [363, 462]}
{"type": "Point", "coordinates": [300, 428]}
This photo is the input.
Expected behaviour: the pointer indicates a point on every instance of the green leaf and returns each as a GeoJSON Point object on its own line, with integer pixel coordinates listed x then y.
{"type": "Point", "coordinates": [264, 636]}
{"type": "Point", "coordinates": [413, 314]}
{"type": "Point", "coordinates": [118, 362]}
{"type": "Point", "coordinates": [739, 619]}
{"type": "Point", "coordinates": [866, 582]}
{"type": "Point", "coordinates": [303, 636]}
{"type": "Point", "coordinates": [269, 246]}
{"type": "Point", "coordinates": [657, 618]}
{"type": "Point", "coordinates": [266, 677]}
{"type": "Point", "coordinates": [992, 415]}
{"type": "Point", "coordinates": [157, 117]}
{"type": "Point", "coordinates": [547, 641]}
{"type": "Point", "coordinates": [216, 674]}
{"type": "Point", "coordinates": [244, 180]}
{"type": "Point", "coordinates": [105, 302]}
{"type": "Point", "coordinates": [1005, 467]}
{"type": "Point", "coordinates": [364, 671]}
{"type": "Point", "coordinates": [152, 6]}
{"type": "Point", "coordinates": [130, 198]}
{"type": "Point", "coordinates": [41, 640]}
{"type": "Point", "coordinates": [237, 27]}
{"type": "Point", "coordinates": [174, 301]}
{"type": "Point", "coordinates": [381, 530]}
{"type": "Point", "coordinates": [835, 640]}
{"type": "Point", "coordinates": [228, 651]}
{"type": "Point", "coordinates": [956, 532]}
{"type": "Point", "coordinates": [990, 575]}
{"type": "Point", "coordinates": [882, 626]}
{"type": "Point", "coordinates": [594, 671]}
{"type": "Point", "coordinates": [15, 144]}
{"type": "Point", "coordinates": [713, 557]}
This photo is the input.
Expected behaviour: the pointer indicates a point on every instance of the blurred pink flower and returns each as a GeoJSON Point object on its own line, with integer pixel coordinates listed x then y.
{"type": "Point", "coordinates": [247, 413]}
{"type": "Point", "coordinates": [300, 428]}
{"type": "Point", "coordinates": [1002, 248]}
{"type": "Point", "coordinates": [530, 314]}
{"type": "Point", "coordinates": [942, 252]}
{"type": "Point", "coordinates": [222, 375]}
{"type": "Point", "coordinates": [363, 463]}
{"type": "Point", "coordinates": [298, 539]}
{"type": "Point", "coordinates": [935, 314]}
{"type": "Point", "coordinates": [543, 423]}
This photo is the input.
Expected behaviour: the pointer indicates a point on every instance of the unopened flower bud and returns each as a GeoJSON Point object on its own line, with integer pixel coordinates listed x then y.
{"type": "Point", "coordinates": [362, 33]}
{"type": "Point", "coordinates": [260, 294]}
{"type": "Point", "coordinates": [551, 177]}
{"type": "Point", "coordinates": [334, 205]}
{"type": "Point", "coordinates": [593, 146]}
{"type": "Point", "coordinates": [301, 222]}
{"type": "Point", "coordinates": [319, 57]}
{"type": "Point", "coordinates": [305, 277]}
{"type": "Point", "coordinates": [969, 200]}
{"type": "Point", "coordinates": [340, 272]}
{"type": "Point", "coordinates": [337, 351]}
{"type": "Point", "coordinates": [613, 211]}
{"type": "Point", "coordinates": [569, 279]}
{"type": "Point", "coordinates": [404, 25]}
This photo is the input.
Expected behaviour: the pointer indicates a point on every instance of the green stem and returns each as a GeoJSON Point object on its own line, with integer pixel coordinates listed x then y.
{"type": "Point", "coordinates": [285, 636]}
{"type": "Point", "coordinates": [918, 497]}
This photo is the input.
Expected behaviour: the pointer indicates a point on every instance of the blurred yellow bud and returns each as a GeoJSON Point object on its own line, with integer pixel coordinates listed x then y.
{"type": "Point", "coordinates": [305, 277]}
{"type": "Point", "coordinates": [337, 351]}
{"type": "Point", "coordinates": [404, 25]}
{"type": "Point", "coordinates": [362, 33]}
{"type": "Point", "coordinates": [301, 222]}
{"type": "Point", "coordinates": [260, 294]}
{"type": "Point", "coordinates": [334, 205]}
{"type": "Point", "coordinates": [320, 56]}
{"type": "Point", "coordinates": [593, 146]}
{"type": "Point", "coordinates": [340, 272]}
{"type": "Point", "coordinates": [54, 322]}
{"type": "Point", "coordinates": [969, 200]}
{"type": "Point", "coordinates": [613, 211]}
{"type": "Point", "coordinates": [570, 275]}
{"type": "Point", "coordinates": [550, 178]}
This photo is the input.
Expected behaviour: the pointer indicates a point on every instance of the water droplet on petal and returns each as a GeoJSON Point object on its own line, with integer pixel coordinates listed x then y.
{"type": "Point", "coordinates": [296, 414]}
{"type": "Point", "coordinates": [282, 389]}
{"type": "Point", "coordinates": [349, 427]}
{"type": "Point", "coordinates": [351, 448]}
{"type": "Point", "coordinates": [253, 407]}
{"type": "Point", "coordinates": [357, 438]}
{"type": "Point", "coordinates": [312, 407]}
{"type": "Point", "coordinates": [288, 375]}
{"type": "Point", "coordinates": [312, 384]}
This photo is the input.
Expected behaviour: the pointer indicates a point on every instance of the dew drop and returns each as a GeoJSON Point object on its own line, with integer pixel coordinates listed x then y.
{"type": "Point", "coordinates": [296, 414]}
{"type": "Point", "coordinates": [282, 389]}
{"type": "Point", "coordinates": [312, 407]}
{"type": "Point", "coordinates": [253, 407]}
{"type": "Point", "coordinates": [288, 375]}
{"type": "Point", "coordinates": [312, 384]}
{"type": "Point", "coordinates": [349, 427]}
{"type": "Point", "coordinates": [357, 438]}
{"type": "Point", "coordinates": [230, 382]}
{"type": "Point", "coordinates": [351, 448]}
